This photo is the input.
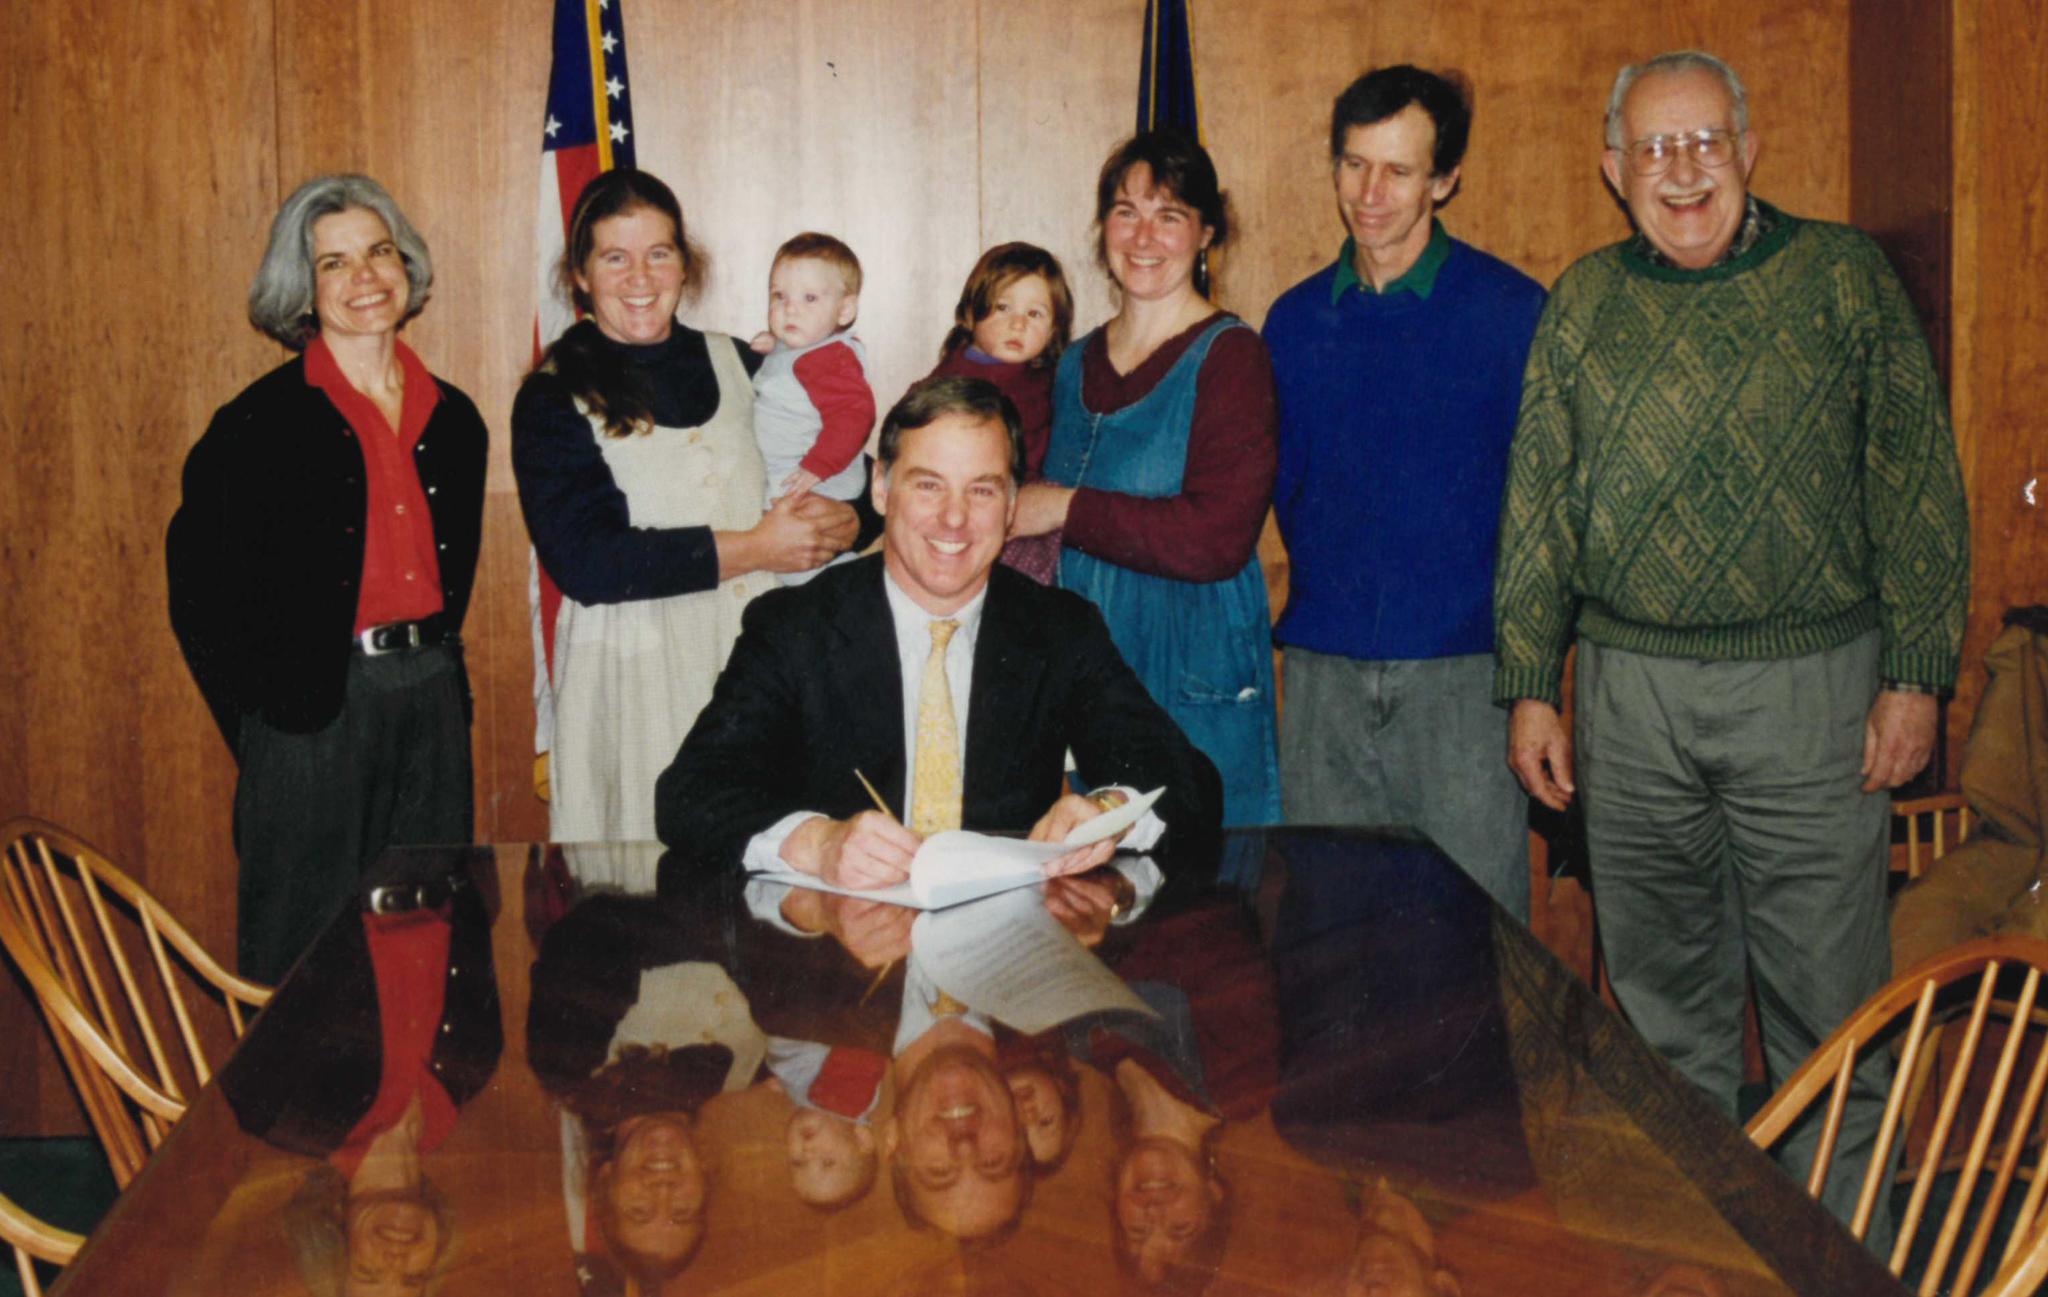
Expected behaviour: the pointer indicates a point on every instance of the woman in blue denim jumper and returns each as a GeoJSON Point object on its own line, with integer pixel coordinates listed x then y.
{"type": "Point", "coordinates": [1160, 469]}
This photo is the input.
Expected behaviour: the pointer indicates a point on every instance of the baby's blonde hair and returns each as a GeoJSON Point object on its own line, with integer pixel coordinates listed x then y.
{"type": "Point", "coordinates": [813, 246]}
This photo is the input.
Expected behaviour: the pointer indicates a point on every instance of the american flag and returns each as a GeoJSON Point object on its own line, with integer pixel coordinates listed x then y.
{"type": "Point", "coordinates": [587, 130]}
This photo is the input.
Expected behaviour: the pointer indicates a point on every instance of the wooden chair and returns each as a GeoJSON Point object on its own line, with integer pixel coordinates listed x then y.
{"type": "Point", "coordinates": [1946, 820]}
{"type": "Point", "coordinates": [1989, 993]}
{"type": "Point", "coordinates": [79, 929]}
{"type": "Point", "coordinates": [34, 1240]}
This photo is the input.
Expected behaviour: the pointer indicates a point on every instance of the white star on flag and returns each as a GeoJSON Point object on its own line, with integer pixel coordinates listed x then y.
{"type": "Point", "coordinates": [614, 87]}
{"type": "Point", "coordinates": [611, 43]}
{"type": "Point", "coordinates": [618, 132]}
{"type": "Point", "coordinates": [552, 126]}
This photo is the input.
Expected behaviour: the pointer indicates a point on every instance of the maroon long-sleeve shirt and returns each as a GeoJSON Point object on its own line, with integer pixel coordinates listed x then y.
{"type": "Point", "coordinates": [1209, 530]}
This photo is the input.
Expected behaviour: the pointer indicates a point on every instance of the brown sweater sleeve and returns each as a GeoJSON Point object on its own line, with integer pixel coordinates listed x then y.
{"type": "Point", "coordinates": [1209, 530]}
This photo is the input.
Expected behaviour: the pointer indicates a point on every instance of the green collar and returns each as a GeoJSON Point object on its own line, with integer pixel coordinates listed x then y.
{"type": "Point", "coordinates": [1419, 279]}
{"type": "Point", "coordinates": [1765, 230]}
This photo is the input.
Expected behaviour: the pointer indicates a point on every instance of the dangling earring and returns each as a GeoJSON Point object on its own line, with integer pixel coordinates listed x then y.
{"type": "Point", "coordinates": [1202, 272]}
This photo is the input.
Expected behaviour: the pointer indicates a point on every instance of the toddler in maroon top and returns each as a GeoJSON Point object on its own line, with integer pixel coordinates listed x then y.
{"type": "Point", "coordinates": [1014, 318]}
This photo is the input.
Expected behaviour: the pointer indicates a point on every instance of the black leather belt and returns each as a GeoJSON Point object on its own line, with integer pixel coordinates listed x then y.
{"type": "Point", "coordinates": [402, 898]}
{"type": "Point", "coordinates": [396, 636]}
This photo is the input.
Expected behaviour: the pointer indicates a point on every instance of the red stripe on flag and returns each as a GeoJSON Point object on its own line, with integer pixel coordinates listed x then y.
{"type": "Point", "coordinates": [574, 168]}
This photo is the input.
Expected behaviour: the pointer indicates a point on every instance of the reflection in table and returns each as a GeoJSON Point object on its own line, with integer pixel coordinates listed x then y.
{"type": "Point", "coordinates": [1346, 1072]}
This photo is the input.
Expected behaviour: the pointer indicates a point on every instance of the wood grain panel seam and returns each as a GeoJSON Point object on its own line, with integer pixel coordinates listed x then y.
{"type": "Point", "coordinates": [981, 230]}
{"type": "Point", "coordinates": [276, 107]}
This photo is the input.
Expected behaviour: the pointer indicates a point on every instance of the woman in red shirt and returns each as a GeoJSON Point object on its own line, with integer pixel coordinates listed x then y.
{"type": "Point", "coordinates": [320, 565]}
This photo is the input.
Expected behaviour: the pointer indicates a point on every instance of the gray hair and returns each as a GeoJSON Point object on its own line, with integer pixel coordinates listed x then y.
{"type": "Point", "coordinates": [281, 298]}
{"type": "Point", "coordinates": [1675, 61]}
{"type": "Point", "coordinates": [315, 1223]}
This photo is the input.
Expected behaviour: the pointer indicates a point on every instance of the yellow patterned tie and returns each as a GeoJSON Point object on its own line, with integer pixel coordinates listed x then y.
{"type": "Point", "coordinates": [935, 796]}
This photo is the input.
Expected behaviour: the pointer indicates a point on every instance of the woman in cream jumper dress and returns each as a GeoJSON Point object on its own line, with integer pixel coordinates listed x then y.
{"type": "Point", "coordinates": [641, 486]}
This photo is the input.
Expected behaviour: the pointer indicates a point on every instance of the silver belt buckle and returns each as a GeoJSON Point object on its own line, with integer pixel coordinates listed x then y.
{"type": "Point", "coordinates": [402, 898]}
{"type": "Point", "coordinates": [368, 639]}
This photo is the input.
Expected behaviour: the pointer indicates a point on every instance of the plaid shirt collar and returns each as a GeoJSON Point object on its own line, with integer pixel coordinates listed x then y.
{"type": "Point", "coordinates": [1756, 222]}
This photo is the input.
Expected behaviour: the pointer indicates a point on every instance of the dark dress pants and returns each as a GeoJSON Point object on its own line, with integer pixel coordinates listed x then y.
{"type": "Point", "coordinates": [313, 810]}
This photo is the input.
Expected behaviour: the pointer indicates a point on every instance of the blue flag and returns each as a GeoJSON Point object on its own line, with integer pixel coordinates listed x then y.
{"type": "Point", "coordinates": [1166, 70]}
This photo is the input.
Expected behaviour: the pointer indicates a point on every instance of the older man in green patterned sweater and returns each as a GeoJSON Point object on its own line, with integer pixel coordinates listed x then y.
{"type": "Point", "coordinates": [1733, 483]}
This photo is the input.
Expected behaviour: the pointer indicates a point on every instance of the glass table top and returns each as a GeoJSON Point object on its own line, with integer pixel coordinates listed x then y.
{"type": "Point", "coordinates": [1329, 1065]}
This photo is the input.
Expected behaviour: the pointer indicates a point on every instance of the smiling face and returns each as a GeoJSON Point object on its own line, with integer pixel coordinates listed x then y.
{"type": "Point", "coordinates": [1043, 1110]}
{"type": "Point", "coordinates": [946, 502]}
{"type": "Point", "coordinates": [1396, 1252]}
{"type": "Point", "coordinates": [1164, 1203]}
{"type": "Point", "coordinates": [1689, 213]}
{"type": "Point", "coordinates": [1019, 320]}
{"type": "Point", "coordinates": [1150, 238]}
{"type": "Point", "coordinates": [359, 283]}
{"type": "Point", "coordinates": [1386, 192]}
{"type": "Point", "coordinates": [633, 276]}
{"type": "Point", "coordinates": [956, 1143]}
{"type": "Point", "coordinates": [392, 1242]}
{"type": "Point", "coordinates": [653, 1188]}
{"type": "Point", "coordinates": [808, 301]}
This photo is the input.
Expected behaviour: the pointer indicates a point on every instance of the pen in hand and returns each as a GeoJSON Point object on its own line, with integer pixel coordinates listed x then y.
{"type": "Point", "coordinates": [876, 797]}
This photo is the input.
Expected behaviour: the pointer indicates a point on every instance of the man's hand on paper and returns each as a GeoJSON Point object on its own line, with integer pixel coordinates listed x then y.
{"type": "Point", "coordinates": [1081, 859]}
{"type": "Point", "coordinates": [867, 850]}
{"type": "Point", "coordinates": [1070, 811]}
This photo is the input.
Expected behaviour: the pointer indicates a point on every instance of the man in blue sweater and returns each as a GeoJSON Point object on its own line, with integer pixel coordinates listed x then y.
{"type": "Point", "coordinates": [1400, 372]}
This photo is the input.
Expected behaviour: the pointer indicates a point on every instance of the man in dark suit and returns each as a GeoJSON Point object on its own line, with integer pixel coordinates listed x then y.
{"type": "Point", "coordinates": [862, 673]}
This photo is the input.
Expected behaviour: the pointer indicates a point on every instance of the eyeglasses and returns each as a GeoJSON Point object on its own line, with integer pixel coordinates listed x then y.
{"type": "Point", "coordinates": [1653, 154]}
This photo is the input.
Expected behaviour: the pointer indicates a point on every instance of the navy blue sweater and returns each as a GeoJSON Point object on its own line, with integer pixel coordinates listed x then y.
{"type": "Point", "coordinates": [1396, 413]}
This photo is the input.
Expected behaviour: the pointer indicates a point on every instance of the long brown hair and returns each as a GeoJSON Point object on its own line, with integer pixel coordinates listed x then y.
{"type": "Point", "coordinates": [1000, 267]}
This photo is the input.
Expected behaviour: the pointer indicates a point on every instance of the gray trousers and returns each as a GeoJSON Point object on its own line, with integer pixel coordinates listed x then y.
{"type": "Point", "coordinates": [1730, 841]}
{"type": "Point", "coordinates": [1418, 743]}
{"type": "Point", "coordinates": [313, 810]}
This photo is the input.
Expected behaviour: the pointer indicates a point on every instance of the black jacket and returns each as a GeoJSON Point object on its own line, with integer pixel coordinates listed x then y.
{"type": "Point", "coordinates": [813, 691]}
{"type": "Point", "coordinates": [311, 1064]}
{"type": "Point", "coordinates": [265, 554]}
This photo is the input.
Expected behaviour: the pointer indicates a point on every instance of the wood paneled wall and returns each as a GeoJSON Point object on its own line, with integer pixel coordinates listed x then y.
{"type": "Point", "coordinates": [1999, 370]}
{"type": "Point", "coordinates": [920, 130]}
{"type": "Point", "coordinates": [140, 145]}
{"type": "Point", "coordinates": [1901, 150]}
